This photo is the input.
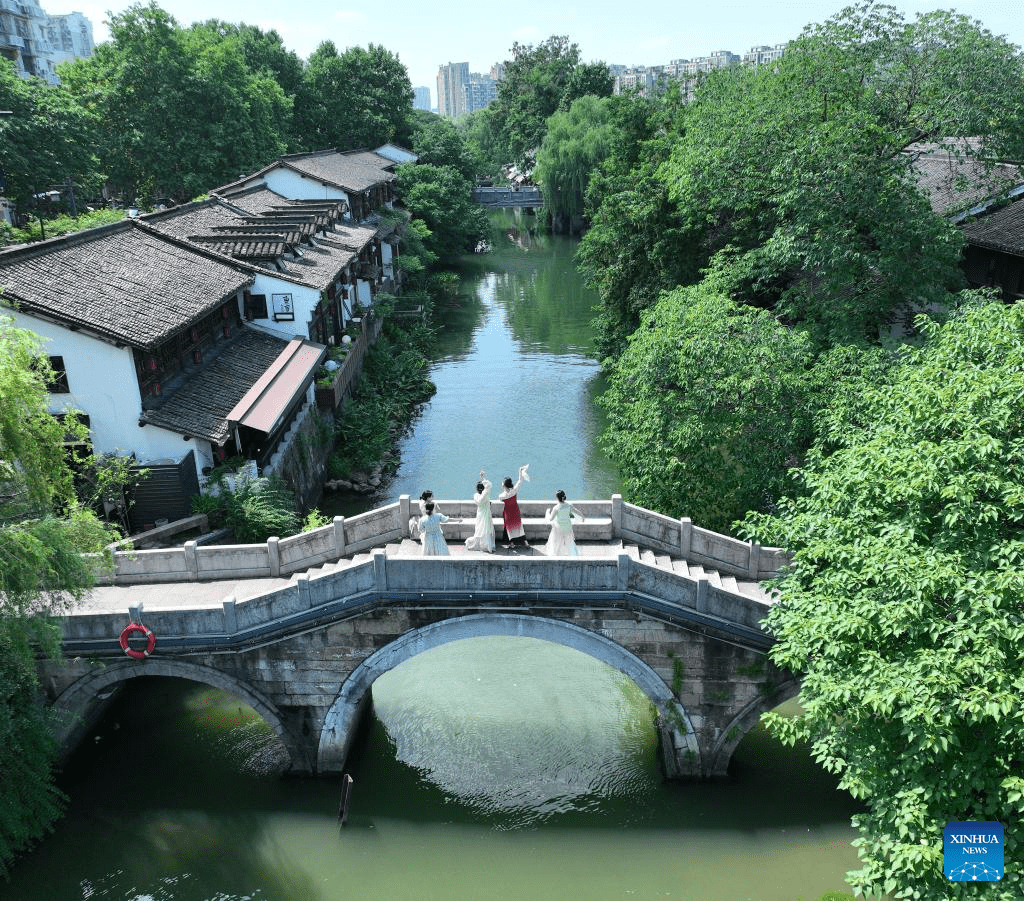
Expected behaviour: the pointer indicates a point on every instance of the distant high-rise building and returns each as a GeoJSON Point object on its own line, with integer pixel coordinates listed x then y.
{"type": "Point", "coordinates": [36, 42]}
{"type": "Point", "coordinates": [421, 98]}
{"type": "Point", "coordinates": [481, 91]}
{"type": "Point", "coordinates": [451, 94]}
{"type": "Point", "coordinates": [760, 56]}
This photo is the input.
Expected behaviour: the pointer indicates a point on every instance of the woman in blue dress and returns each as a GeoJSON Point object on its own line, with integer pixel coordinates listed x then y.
{"type": "Point", "coordinates": [430, 532]}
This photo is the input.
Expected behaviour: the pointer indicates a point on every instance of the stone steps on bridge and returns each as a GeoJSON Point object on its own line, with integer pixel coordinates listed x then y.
{"type": "Point", "coordinates": [409, 547]}
{"type": "Point", "coordinates": [696, 571]}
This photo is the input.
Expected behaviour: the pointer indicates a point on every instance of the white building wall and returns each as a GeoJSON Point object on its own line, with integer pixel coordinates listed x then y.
{"type": "Point", "coordinates": [103, 384]}
{"type": "Point", "coordinates": [293, 186]}
{"type": "Point", "coordinates": [304, 301]}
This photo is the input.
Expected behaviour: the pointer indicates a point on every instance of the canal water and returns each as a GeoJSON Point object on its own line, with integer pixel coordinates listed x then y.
{"type": "Point", "coordinates": [489, 768]}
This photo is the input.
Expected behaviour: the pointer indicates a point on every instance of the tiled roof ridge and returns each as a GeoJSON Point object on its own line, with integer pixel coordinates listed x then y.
{"type": "Point", "coordinates": [185, 244]}
{"type": "Point", "coordinates": [42, 248]}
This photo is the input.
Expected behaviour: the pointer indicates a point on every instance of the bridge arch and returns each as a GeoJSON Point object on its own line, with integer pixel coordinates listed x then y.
{"type": "Point", "coordinates": [743, 722]}
{"type": "Point", "coordinates": [73, 705]}
{"type": "Point", "coordinates": [343, 717]}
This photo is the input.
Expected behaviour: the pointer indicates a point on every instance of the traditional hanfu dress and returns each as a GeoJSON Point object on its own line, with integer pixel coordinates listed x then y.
{"type": "Point", "coordinates": [430, 532]}
{"type": "Point", "coordinates": [482, 538]}
{"type": "Point", "coordinates": [414, 522]}
{"type": "Point", "coordinates": [560, 541]}
{"type": "Point", "coordinates": [511, 514]}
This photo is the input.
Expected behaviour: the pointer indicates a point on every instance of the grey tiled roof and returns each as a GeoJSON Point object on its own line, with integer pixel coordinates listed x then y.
{"type": "Point", "coordinates": [953, 185]}
{"type": "Point", "coordinates": [200, 406]}
{"type": "Point", "coordinates": [354, 237]}
{"type": "Point", "coordinates": [198, 218]}
{"type": "Point", "coordinates": [1001, 229]}
{"type": "Point", "coordinates": [319, 265]}
{"type": "Point", "coordinates": [121, 281]}
{"type": "Point", "coordinates": [354, 171]}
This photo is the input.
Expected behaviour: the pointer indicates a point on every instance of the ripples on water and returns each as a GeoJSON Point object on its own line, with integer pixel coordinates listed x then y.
{"type": "Point", "coordinates": [488, 737]}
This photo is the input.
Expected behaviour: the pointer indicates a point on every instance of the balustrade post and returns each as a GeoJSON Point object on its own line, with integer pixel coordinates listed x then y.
{"type": "Point", "coordinates": [274, 554]}
{"type": "Point", "coordinates": [685, 537]}
{"type": "Point", "coordinates": [622, 572]}
{"type": "Point", "coordinates": [403, 512]}
{"type": "Point", "coordinates": [702, 595]}
{"type": "Point", "coordinates": [230, 616]}
{"type": "Point", "coordinates": [755, 561]}
{"type": "Point", "coordinates": [339, 535]}
{"type": "Point", "coordinates": [191, 560]}
{"type": "Point", "coordinates": [616, 516]}
{"type": "Point", "coordinates": [380, 570]}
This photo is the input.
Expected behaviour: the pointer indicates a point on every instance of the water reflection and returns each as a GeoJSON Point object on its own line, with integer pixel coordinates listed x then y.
{"type": "Point", "coordinates": [494, 738]}
{"type": "Point", "coordinates": [515, 381]}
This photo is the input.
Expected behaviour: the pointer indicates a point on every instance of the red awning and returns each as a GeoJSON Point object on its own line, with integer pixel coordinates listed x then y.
{"type": "Point", "coordinates": [265, 404]}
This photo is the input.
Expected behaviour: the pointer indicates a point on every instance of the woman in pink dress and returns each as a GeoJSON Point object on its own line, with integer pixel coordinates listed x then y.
{"type": "Point", "coordinates": [514, 532]}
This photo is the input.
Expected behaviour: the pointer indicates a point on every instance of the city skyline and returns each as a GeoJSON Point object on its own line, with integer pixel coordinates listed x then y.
{"type": "Point", "coordinates": [424, 41]}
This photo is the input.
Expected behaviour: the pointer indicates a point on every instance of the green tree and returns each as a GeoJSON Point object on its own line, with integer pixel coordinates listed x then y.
{"type": "Point", "coordinates": [638, 244]}
{"type": "Point", "coordinates": [533, 86]}
{"type": "Point", "coordinates": [902, 609]}
{"type": "Point", "coordinates": [180, 110]}
{"type": "Point", "coordinates": [481, 132]}
{"type": "Point", "coordinates": [441, 198]}
{"type": "Point", "coordinates": [361, 98]}
{"type": "Point", "coordinates": [575, 143]}
{"type": "Point", "coordinates": [587, 80]}
{"type": "Point", "coordinates": [708, 407]}
{"type": "Point", "coordinates": [437, 141]}
{"type": "Point", "coordinates": [797, 178]}
{"type": "Point", "coordinates": [43, 534]}
{"type": "Point", "coordinates": [48, 141]}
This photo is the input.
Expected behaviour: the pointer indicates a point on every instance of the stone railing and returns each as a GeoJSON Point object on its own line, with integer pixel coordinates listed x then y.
{"type": "Point", "coordinates": [604, 521]}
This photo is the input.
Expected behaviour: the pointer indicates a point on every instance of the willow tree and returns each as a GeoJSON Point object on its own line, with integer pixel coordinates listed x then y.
{"type": "Point", "coordinates": [43, 534]}
{"type": "Point", "coordinates": [577, 140]}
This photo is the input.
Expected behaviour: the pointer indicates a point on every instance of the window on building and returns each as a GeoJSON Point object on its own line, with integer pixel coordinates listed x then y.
{"type": "Point", "coordinates": [58, 383]}
{"type": "Point", "coordinates": [256, 306]}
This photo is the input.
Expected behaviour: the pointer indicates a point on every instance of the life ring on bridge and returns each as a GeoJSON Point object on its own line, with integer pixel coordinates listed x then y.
{"type": "Point", "coordinates": [127, 633]}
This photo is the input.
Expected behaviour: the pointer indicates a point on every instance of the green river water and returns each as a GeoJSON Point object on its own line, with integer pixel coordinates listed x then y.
{"type": "Point", "coordinates": [499, 768]}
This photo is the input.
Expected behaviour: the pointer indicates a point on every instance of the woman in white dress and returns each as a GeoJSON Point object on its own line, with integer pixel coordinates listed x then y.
{"type": "Point", "coordinates": [430, 531]}
{"type": "Point", "coordinates": [414, 523]}
{"type": "Point", "coordinates": [482, 538]}
{"type": "Point", "coordinates": [561, 542]}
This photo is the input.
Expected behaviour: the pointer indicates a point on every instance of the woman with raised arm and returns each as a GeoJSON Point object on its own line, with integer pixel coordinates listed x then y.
{"type": "Point", "coordinates": [511, 515]}
{"type": "Point", "coordinates": [430, 529]}
{"type": "Point", "coordinates": [561, 542]}
{"type": "Point", "coordinates": [482, 538]}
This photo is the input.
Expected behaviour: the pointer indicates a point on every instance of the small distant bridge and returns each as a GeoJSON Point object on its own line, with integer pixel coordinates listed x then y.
{"type": "Point", "coordinates": [529, 196]}
{"type": "Point", "coordinates": [300, 628]}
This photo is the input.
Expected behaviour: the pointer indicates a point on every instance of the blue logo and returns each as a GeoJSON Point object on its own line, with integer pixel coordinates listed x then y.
{"type": "Point", "coordinates": [973, 852]}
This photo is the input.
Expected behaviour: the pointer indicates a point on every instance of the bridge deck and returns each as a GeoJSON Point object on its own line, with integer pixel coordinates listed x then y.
{"type": "Point", "coordinates": [194, 595]}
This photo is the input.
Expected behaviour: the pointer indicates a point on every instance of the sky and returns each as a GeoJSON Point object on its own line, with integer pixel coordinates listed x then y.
{"type": "Point", "coordinates": [426, 35]}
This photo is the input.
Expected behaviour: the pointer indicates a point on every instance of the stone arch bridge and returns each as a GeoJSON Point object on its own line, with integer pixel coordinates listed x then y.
{"type": "Point", "coordinates": [300, 628]}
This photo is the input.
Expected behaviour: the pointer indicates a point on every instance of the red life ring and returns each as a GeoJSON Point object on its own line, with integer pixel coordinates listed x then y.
{"type": "Point", "coordinates": [150, 641]}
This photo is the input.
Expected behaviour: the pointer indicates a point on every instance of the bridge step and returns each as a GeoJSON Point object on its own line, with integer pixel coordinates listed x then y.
{"type": "Point", "coordinates": [695, 571]}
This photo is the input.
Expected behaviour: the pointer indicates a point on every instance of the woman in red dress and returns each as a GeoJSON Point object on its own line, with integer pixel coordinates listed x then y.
{"type": "Point", "coordinates": [515, 534]}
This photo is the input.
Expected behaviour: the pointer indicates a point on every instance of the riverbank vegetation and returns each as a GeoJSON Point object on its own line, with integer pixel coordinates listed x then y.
{"type": "Point", "coordinates": [44, 530]}
{"type": "Point", "coordinates": [791, 352]}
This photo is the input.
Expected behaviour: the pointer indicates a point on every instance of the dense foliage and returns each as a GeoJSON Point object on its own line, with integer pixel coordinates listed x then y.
{"type": "Point", "coordinates": [903, 609]}
{"type": "Point", "coordinates": [167, 111]}
{"type": "Point", "coordinates": [43, 533]}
